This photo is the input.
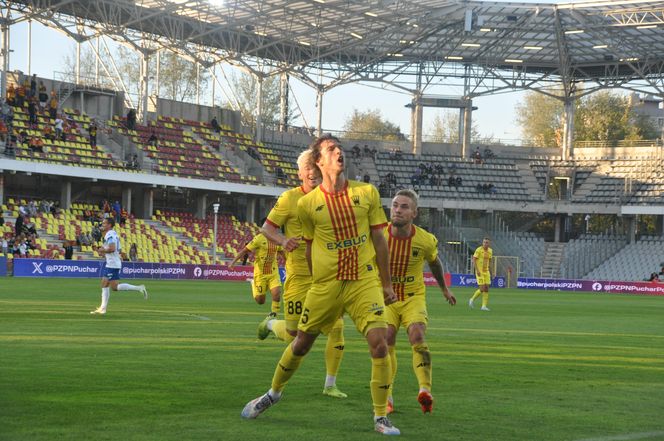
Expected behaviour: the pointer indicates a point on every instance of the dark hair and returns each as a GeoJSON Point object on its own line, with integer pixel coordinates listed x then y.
{"type": "Point", "coordinates": [111, 221]}
{"type": "Point", "coordinates": [315, 146]}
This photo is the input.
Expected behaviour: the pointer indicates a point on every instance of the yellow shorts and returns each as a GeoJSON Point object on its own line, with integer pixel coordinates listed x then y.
{"type": "Point", "coordinates": [263, 284]}
{"type": "Point", "coordinates": [296, 287]}
{"type": "Point", "coordinates": [483, 278]}
{"type": "Point", "coordinates": [326, 302]}
{"type": "Point", "coordinates": [406, 312]}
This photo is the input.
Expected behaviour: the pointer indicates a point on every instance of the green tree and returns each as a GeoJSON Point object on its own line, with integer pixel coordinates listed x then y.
{"type": "Point", "coordinates": [540, 117]}
{"type": "Point", "coordinates": [177, 76]}
{"type": "Point", "coordinates": [371, 125]}
{"type": "Point", "coordinates": [445, 128]}
{"type": "Point", "coordinates": [245, 88]}
{"type": "Point", "coordinates": [601, 116]}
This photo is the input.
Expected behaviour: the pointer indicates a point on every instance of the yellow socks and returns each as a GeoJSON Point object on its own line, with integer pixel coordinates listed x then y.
{"type": "Point", "coordinates": [392, 353]}
{"type": "Point", "coordinates": [381, 374]}
{"type": "Point", "coordinates": [276, 307]}
{"type": "Point", "coordinates": [334, 348]}
{"type": "Point", "coordinates": [476, 295]}
{"type": "Point", "coordinates": [422, 365]}
{"type": "Point", "coordinates": [279, 330]}
{"type": "Point", "coordinates": [285, 369]}
{"type": "Point", "coordinates": [485, 299]}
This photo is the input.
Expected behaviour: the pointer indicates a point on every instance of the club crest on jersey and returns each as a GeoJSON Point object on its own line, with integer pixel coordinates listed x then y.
{"type": "Point", "coordinates": [416, 252]}
{"type": "Point", "coordinates": [377, 309]}
{"type": "Point", "coordinates": [356, 200]}
{"type": "Point", "coordinates": [320, 207]}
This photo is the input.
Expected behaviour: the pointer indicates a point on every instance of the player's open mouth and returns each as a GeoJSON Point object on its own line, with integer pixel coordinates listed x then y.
{"type": "Point", "coordinates": [340, 160]}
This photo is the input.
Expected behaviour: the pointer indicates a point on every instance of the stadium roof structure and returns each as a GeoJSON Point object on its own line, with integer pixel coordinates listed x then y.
{"type": "Point", "coordinates": [409, 44]}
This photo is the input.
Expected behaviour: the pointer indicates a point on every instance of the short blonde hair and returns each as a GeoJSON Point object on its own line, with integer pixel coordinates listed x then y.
{"type": "Point", "coordinates": [407, 192]}
{"type": "Point", "coordinates": [305, 159]}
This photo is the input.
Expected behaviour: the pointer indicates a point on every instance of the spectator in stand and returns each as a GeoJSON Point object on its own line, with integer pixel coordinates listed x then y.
{"type": "Point", "coordinates": [215, 125]}
{"type": "Point", "coordinates": [2, 220]}
{"type": "Point", "coordinates": [68, 246]}
{"type": "Point", "coordinates": [32, 208]}
{"type": "Point", "coordinates": [58, 126]}
{"type": "Point", "coordinates": [18, 225]}
{"type": "Point", "coordinates": [366, 178]}
{"type": "Point", "coordinates": [661, 272]}
{"type": "Point", "coordinates": [95, 234]}
{"type": "Point", "coordinates": [5, 246]}
{"type": "Point", "coordinates": [42, 95]}
{"type": "Point", "coordinates": [92, 131]}
{"type": "Point", "coordinates": [153, 140]}
{"type": "Point", "coordinates": [11, 95]}
{"type": "Point", "coordinates": [133, 253]}
{"type": "Point", "coordinates": [36, 144]}
{"type": "Point", "coordinates": [123, 216]}
{"type": "Point", "coordinates": [366, 151]}
{"type": "Point", "coordinates": [32, 112]}
{"type": "Point", "coordinates": [33, 86]}
{"type": "Point", "coordinates": [654, 278]}
{"type": "Point", "coordinates": [53, 106]}
{"type": "Point", "coordinates": [131, 119]}
{"type": "Point", "coordinates": [4, 132]}
{"type": "Point", "coordinates": [20, 96]}
{"type": "Point", "coordinates": [117, 208]}
{"type": "Point", "coordinates": [48, 133]}
{"type": "Point", "coordinates": [356, 151]}
{"type": "Point", "coordinates": [477, 156]}
{"type": "Point", "coordinates": [134, 163]}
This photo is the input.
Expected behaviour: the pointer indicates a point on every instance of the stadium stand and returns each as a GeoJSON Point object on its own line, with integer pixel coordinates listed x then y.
{"type": "Point", "coordinates": [584, 254]}
{"type": "Point", "coordinates": [502, 173]}
{"type": "Point", "coordinates": [177, 152]}
{"type": "Point", "coordinates": [635, 261]}
{"type": "Point", "coordinates": [74, 149]}
{"type": "Point", "coordinates": [70, 225]}
{"type": "Point", "coordinates": [232, 235]}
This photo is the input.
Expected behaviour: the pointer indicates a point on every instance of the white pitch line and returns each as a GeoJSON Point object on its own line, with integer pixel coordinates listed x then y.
{"type": "Point", "coordinates": [626, 436]}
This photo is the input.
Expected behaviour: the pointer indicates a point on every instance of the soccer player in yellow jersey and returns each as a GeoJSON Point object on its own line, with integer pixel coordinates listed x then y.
{"type": "Point", "coordinates": [411, 246]}
{"type": "Point", "coordinates": [342, 224]}
{"type": "Point", "coordinates": [482, 263]}
{"type": "Point", "coordinates": [298, 276]}
{"type": "Point", "coordinates": [266, 272]}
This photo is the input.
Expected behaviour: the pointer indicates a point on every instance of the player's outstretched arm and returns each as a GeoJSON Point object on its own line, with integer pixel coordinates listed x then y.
{"type": "Point", "coordinates": [238, 256]}
{"type": "Point", "coordinates": [383, 263]}
{"type": "Point", "coordinates": [436, 267]}
{"type": "Point", "coordinates": [275, 235]}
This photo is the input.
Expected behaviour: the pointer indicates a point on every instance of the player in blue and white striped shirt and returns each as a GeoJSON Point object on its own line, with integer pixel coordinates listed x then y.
{"type": "Point", "coordinates": [111, 273]}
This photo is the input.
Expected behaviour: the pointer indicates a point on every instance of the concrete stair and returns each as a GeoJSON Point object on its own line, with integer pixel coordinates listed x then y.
{"type": "Point", "coordinates": [529, 180]}
{"type": "Point", "coordinates": [553, 257]}
{"type": "Point", "coordinates": [180, 237]}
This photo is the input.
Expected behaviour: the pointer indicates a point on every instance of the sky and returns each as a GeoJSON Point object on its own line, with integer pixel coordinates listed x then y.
{"type": "Point", "coordinates": [495, 115]}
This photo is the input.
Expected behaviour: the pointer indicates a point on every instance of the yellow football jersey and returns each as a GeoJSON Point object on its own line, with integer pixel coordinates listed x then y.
{"type": "Point", "coordinates": [265, 255]}
{"type": "Point", "coordinates": [483, 259]}
{"type": "Point", "coordinates": [407, 257]}
{"type": "Point", "coordinates": [284, 214]}
{"type": "Point", "coordinates": [339, 226]}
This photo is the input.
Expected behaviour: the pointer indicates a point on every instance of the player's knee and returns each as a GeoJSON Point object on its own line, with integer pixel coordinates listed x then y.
{"type": "Point", "coordinates": [260, 300]}
{"type": "Point", "coordinates": [416, 333]}
{"type": "Point", "coordinates": [302, 343]}
{"type": "Point", "coordinates": [391, 335]}
{"type": "Point", "coordinates": [379, 349]}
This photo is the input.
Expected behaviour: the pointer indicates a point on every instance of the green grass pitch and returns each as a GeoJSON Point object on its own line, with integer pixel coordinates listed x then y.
{"type": "Point", "coordinates": [180, 366]}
